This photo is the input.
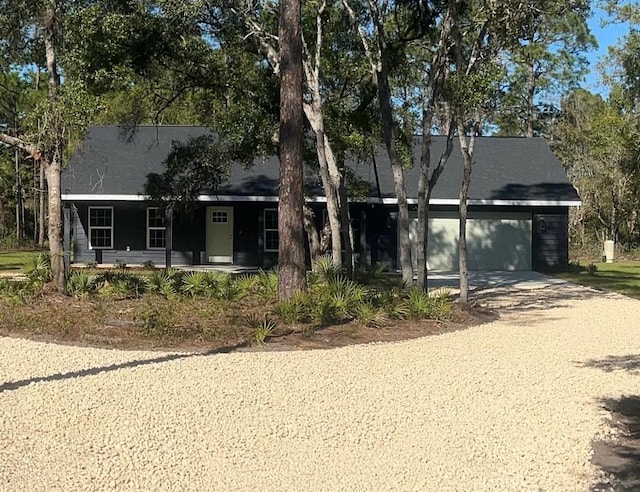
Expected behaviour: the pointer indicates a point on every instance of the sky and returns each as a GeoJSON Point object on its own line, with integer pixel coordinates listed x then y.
{"type": "Point", "coordinates": [610, 35]}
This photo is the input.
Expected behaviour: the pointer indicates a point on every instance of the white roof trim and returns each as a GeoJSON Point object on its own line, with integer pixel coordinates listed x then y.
{"type": "Point", "coordinates": [321, 199]}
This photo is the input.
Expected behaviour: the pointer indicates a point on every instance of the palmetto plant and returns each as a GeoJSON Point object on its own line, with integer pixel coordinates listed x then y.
{"type": "Point", "coordinates": [267, 284]}
{"type": "Point", "coordinates": [38, 268]}
{"type": "Point", "coordinates": [369, 315]}
{"type": "Point", "coordinates": [194, 284]}
{"type": "Point", "coordinates": [161, 282]}
{"type": "Point", "coordinates": [81, 283]}
{"type": "Point", "coordinates": [292, 310]}
{"type": "Point", "coordinates": [261, 327]}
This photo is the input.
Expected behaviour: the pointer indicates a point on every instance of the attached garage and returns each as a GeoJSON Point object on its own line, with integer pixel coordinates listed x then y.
{"type": "Point", "coordinates": [519, 201]}
{"type": "Point", "coordinates": [495, 241]}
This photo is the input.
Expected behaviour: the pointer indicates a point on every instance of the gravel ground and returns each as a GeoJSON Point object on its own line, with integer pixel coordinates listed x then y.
{"type": "Point", "coordinates": [510, 405]}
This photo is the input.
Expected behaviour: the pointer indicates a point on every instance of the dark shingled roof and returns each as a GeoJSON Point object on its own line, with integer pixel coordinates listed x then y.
{"type": "Point", "coordinates": [505, 168]}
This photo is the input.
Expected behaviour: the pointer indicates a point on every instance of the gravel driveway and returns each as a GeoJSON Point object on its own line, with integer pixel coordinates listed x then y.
{"type": "Point", "coordinates": [510, 405]}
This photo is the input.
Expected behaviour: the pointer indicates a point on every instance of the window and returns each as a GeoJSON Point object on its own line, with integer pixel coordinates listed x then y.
{"type": "Point", "coordinates": [101, 227]}
{"type": "Point", "coordinates": [270, 229]}
{"type": "Point", "coordinates": [219, 217]}
{"type": "Point", "coordinates": [156, 228]}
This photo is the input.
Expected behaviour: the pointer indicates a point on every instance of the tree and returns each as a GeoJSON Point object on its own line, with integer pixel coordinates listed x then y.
{"type": "Point", "coordinates": [45, 19]}
{"type": "Point", "coordinates": [291, 267]}
{"type": "Point", "coordinates": [548, 61]}
{"type": "Point", "coordinates": [596, 140]}
{"type": "Point", "coordinates": [481, 32]}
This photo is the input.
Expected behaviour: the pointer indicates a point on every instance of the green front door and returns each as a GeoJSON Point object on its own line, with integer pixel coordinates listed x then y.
{"type": "Point", "coordinates": [219, 234]}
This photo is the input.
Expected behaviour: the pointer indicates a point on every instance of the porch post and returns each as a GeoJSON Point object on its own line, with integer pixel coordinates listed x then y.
{"type": "Point", "coordinates": [66, 238]}
{"type": "Point", "coordinates": [168, 241]}
{"type": "Point", "coordinates": [363, 237]}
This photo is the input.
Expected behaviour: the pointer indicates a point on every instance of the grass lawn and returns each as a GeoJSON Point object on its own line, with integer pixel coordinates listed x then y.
{"type": "Point", "coordinates": [623, 277]}
{"type": "Point", "coordinates": [14, 260]}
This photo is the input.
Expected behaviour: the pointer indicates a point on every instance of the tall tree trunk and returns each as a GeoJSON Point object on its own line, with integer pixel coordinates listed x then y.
{"type": "Point", "coordinates": [56, 250]}
{"type": "Point", "coordinates": [42, 194]}
{"type": "Point", "coordinates": [291, 267]}
{"type": "Point", "coordinates": [18, 197]}
{"type": "Point", "coordinates": [531, 91]}
{"type": "Point", "coordinates": [426, 184]}
{"type": "Point", "coordinates": [381, 70]}
{"type": "Point", "coordinates": [53, 159]}
{"type": "Point", "coordinates": [337, 181]}
{"type": "Point", "coordinates": [466, 149]}
{"type": "Point", "coordinates": [314, 115]}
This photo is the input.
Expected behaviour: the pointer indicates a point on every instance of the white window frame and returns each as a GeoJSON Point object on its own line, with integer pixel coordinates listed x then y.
{"type": "Point", "coordinates": [156, 228]}
{"type": "Point", "coordinates": [265, 229]}
{"type": "Point", "coordinates": [91, 228]}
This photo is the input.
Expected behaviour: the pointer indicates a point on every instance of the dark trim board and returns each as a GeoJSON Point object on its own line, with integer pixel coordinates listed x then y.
{"type": "Point", "coordinates": [543, 238]}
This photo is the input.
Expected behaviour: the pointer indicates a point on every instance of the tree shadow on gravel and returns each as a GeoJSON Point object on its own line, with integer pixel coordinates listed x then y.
{"type": "Point", "coordinates": [92, 371]}
{"type": "Point", "coordinates": [629, 363]}
{"type": "Point", "coordinates": [530, 304]}
{"type": "Point", "coordinates": [618, 457]}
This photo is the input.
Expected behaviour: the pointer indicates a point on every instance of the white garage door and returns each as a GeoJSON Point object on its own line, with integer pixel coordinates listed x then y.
{"type": "Point", "coordinates": [495, 241]}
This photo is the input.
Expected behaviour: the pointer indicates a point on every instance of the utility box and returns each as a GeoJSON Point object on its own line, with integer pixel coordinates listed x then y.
{"type": "Point", "coordinates": [609, 247]}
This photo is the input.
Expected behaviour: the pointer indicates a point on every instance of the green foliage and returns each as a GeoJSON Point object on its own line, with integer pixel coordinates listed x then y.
{"type": "Point", "coordinates": [324, 270]}
{"type": "Point", "coordinates": [163, 282]}
{"type": "Point", "coordinates": [196, 284]}
{"type": "Point", "coordinates": [261, 328]}
{"type": "Point", "coordinates": [125, 284]}
{"type": "Point", "coordinates": [18, 291]}
{"type": "Point", "coordinates": [81, 283]}
{"type": "Point", "coordinates": [369, 315]}
{"type": "Point", "coordinates": [419, 304]}
{"type": "Point", "coordinates": [119, 264]}
{"type": "Point", "coordinates": [38, 268]}
{"type": "Point", "coordinates": [149, 264]}
{"type": "Point", "coordinates": [267, 285]}
{"type": "Point", "coordinates": [441, 305]}
{"type": "Point", "coordinates": [294, 310]}
{"type": "Point", "coordinates": [393, 302]}
{"type": "Point", "coordinates": [372, 274]}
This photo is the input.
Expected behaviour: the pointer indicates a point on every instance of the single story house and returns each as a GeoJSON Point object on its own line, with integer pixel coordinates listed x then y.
{"type": "Point", "coordinates": [518, 207]}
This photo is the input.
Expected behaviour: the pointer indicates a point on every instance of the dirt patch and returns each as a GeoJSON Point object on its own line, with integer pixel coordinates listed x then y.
{"type": "Point", "coordinates": [154, 323]}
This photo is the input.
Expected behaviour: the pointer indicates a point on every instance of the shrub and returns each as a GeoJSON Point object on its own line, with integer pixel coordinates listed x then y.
{"type": "Point", "coordinates": [38, 268]}
{"type": "Point", "coordinates": [592, 268]}
{"type": "Point", "coordinates": [194, 284]}
{"type": "Point", "coordinates": [90, 264]}
{"type": "Point", "coordinates": [162, 282]}
{"type": "Point", "coordinates": [345, 295]}
{"type": "Point", "coordinates": [261, 328]}
{"type": "Point", "coordinates": [18, 292]}
{"type": "Point", "coordinates": [245, 282]}
{"type": "Point", "coordinates": [119, 264]}
{"type": "Point", "coordinates": [419, 304]}
{"type": "Point", "coordinates": [369, 315]}
{"type": "Point", "coordinates": [292, 310]}
{"type": "Point", "coordinates": [81, 283]}
{"type": "Point", "coordinates": [441, 304]}
{"type": "Point", "coordinates": [267, 285]}
{"type": "Point", "coordinates": [149, 264]}
{"type": "Point", "coordinates": [323, 311]}
{"type": "Point", "coordinates": [373, 274]}
{"type": "Point", "coordinates": [325, 269]}
{"type": "Point", "coordinates": [392, 301]}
